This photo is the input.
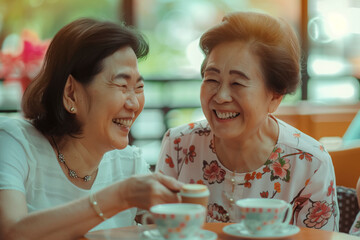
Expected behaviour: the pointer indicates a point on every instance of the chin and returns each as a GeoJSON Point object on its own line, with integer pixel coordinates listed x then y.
{"type": "Point", "coordinates": [120, 144]}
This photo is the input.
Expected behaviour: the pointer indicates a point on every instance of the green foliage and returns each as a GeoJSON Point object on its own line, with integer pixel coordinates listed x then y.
{"type": "Point", "coordinates": [46, 17]}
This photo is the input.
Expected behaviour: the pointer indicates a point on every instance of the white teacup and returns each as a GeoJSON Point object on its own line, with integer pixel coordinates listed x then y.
{"type": "Point", "coordinates": [177, 221]}
{"type": "Point", "coordinates": [262, 216]}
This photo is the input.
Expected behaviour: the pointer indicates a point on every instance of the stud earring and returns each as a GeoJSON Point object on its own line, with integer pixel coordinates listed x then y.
{"type": "Point", "coordinates": [72, 109]}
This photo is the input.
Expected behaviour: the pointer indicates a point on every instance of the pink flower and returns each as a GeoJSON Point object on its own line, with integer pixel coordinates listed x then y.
{"type": "Point", "coordinates": [305, 155]}
{"type": "Point", "coordinates": [318, 215]}
{"type": "Point", "coordinates": [330, 188]}
{"type": "Point", "coordinates": [275, 154]}
{"type": "Point", "coordinates": [264, 194]}
{"type": "Point", "coordinates": [213, 172]}
{"type": "Point", "coordinates": [277, 187]}
{"type": "Point", "coordinates": [218, 213]}
{"type": "Point", "coordinates": [280, 170]}
{"type": "Point", "coordinates": [169, 161]}
{"type": "Point", "coordinates": [189, 156]}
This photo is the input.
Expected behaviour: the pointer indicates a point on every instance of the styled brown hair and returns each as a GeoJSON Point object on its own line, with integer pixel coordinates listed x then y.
{"type": "Point", "coordinates": [271, 39]}
{"type": "Point", "coordinates": [78, 49]}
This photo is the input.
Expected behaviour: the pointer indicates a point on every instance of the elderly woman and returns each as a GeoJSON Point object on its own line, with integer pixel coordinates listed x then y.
{"type": "Point", "coordinates": [58, 176]}
{"type": "Point", "coordinates": [241, 150]}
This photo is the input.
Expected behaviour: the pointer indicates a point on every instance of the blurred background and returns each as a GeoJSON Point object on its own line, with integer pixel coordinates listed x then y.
{"type": "Point", "coordinates": [323, 106]}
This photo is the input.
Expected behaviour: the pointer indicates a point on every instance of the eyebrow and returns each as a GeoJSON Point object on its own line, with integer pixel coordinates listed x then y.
{"type": "Point", "coordinates": [234, 72]}
{"type": "Point", "coordinates": [240, 73]}
{"type": "Point", "coordinates": [127, 77]}
{"type": "Point", "coordinates": [212, 69]}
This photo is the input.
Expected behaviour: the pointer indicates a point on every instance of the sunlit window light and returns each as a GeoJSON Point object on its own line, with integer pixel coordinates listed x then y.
{"type": "Point", "coordinates": [319, 66]}
{"type": "Point", "coordinates": [338, 24]}
{"type": "Point", "coordinates": [328, 27]}
{"type": "Point", "coordinates": [336, 90]}
{"type": "Point", "coordinates": [194, 54]}
{"type": "Point", "coordinates": [354, 19]}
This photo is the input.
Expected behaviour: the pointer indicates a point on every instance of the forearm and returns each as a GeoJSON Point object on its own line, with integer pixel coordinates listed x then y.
{"type": "Point", "coordinates": [69, 221]}
{"type": "Point", "coordinates": [73, 220]}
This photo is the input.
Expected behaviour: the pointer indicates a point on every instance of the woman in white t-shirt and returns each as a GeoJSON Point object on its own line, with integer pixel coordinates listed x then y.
{"type": "Point", "coordinates": [68, 168]}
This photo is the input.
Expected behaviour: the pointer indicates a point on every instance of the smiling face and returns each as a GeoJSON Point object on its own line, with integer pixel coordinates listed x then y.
{"type": "Point", "coordinates": [234, 97]}
{"type": "Point", "coordinates": [109, 105]}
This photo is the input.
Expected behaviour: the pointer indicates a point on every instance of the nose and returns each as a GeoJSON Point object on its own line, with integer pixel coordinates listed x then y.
{"type": "Point", "coordinates": [132, 102]}
{"type": "Point", "coordinates": [223, 94]}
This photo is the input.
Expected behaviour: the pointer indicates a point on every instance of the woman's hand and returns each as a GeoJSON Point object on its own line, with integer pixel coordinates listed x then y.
{"type": "Point", "coordinates": [148, 190]}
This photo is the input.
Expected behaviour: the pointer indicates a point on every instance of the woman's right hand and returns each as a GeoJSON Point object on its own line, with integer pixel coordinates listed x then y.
{"type": "Point", "coordinates": [148, 190]}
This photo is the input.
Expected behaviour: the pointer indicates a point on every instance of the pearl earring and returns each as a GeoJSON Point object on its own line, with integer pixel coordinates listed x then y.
{"type": "Point", "coordinates": [72, 109]}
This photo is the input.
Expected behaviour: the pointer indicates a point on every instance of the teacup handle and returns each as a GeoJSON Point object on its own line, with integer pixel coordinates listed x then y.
{"type": "Point", "coordinates": [286, 222]}
{"type": "Point", "coordinates": [288, 215]}
{"type": "Point", "coordinates": [147, 216]}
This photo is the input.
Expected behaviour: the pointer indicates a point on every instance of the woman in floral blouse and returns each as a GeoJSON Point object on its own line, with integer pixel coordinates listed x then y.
{"type": "Point", "coordinates": [241, 150]}
{"type": "Point", "coordinates": [355, 229]}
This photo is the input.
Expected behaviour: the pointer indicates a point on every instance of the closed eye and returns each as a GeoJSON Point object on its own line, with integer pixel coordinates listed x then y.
{"type": "Point", "coordinates": [238, 84]}
{"type": "Point", "coordinates": [121, 85]}
{"type": "Point", "coordinates": [210, 80]}
{"type": "Point", "coordinates": [139, 88]}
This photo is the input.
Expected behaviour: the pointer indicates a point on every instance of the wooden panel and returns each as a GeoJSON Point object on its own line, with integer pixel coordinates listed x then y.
{"type": "Point", "coordinates": [347, 166]}
{"type": "Point", "coordinates": [319, 120]}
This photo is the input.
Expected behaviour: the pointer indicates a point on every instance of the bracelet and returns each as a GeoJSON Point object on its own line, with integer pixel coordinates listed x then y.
{"type": "Point", "coordinates": [96, 207]}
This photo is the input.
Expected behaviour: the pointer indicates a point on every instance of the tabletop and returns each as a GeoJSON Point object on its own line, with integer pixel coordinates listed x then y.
{"type": "Point", "coordinates": [134, 233]}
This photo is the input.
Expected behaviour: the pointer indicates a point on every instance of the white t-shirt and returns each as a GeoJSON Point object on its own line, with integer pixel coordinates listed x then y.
{"type": "Point", "coordinates": [29, 164]}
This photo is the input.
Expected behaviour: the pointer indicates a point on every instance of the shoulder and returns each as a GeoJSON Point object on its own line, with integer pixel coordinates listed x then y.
{"type": "Point", "coordinates": [14, 124]}
{"type": "Point", "coordinates": [21, 130]}
{"type": "Point", "coordinates": [194, 128]}
{"type": "Point", "coordinates": [292, 137]}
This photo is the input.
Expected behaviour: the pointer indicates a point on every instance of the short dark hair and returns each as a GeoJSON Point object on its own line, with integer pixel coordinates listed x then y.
{"type": "Point", "coordinates": [78, 49]}
{"type": "Point", "coordinates": [272, 39]}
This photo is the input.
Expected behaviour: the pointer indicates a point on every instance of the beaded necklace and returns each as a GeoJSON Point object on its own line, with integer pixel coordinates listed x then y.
{"type": "Point", "coordinates": [72, 173]}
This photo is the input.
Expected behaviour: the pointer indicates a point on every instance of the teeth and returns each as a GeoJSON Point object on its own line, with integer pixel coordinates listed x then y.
{"type": "Point", "coordinates": [123, 122]}
{"type": "Point", "coordinates": [226, 115]}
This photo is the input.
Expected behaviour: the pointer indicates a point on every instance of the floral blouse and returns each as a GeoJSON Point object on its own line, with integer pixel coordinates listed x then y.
{"type": "Point", "coordinates": [355, 229]}
{"type": "Point", "coordinates": [299, 171]}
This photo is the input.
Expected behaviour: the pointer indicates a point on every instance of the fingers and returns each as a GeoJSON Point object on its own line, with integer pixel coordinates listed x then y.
{"type": "Point", "coordinates": [169, 182]}
{"type": "Point", "coordinates": [148, 190]}
{"type": "Point", "coordinates": [166, 189]}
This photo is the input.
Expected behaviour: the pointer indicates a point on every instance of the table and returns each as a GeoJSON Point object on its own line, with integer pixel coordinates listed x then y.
{"type": "Point", "coordinates": [133, 232]}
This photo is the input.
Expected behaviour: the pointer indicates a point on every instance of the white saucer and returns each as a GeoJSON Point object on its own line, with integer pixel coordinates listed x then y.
{"type": "Point", "coordinates": [154, 234]}
{"type": "Point", "coordinates": [238, 230]}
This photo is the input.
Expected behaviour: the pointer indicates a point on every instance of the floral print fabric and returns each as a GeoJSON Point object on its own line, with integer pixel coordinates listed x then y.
{"type": "Point", "coordinates": [299, 171]}
{"type": "Point", "coordinates": [355, 229]}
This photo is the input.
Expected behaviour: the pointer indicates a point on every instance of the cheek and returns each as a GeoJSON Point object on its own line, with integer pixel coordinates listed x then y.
{"type": "Point", "coordinates": [204, 93]}
{"type": "Point", "coordinates": [203, 100]}
{"type": "Point", "coordinates": [141, 101]}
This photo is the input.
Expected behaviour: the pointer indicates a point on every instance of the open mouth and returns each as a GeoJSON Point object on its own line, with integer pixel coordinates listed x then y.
{"type": "Point", "coordinates": [123, 122]}
{"type": "Point", "coordinates": [226, 115]}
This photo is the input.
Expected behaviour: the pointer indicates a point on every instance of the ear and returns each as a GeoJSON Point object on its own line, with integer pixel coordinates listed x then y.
{"type": "Point", "coordinates": [275, 102]}
{"type": "Point", "coordinates": [69, 97]}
